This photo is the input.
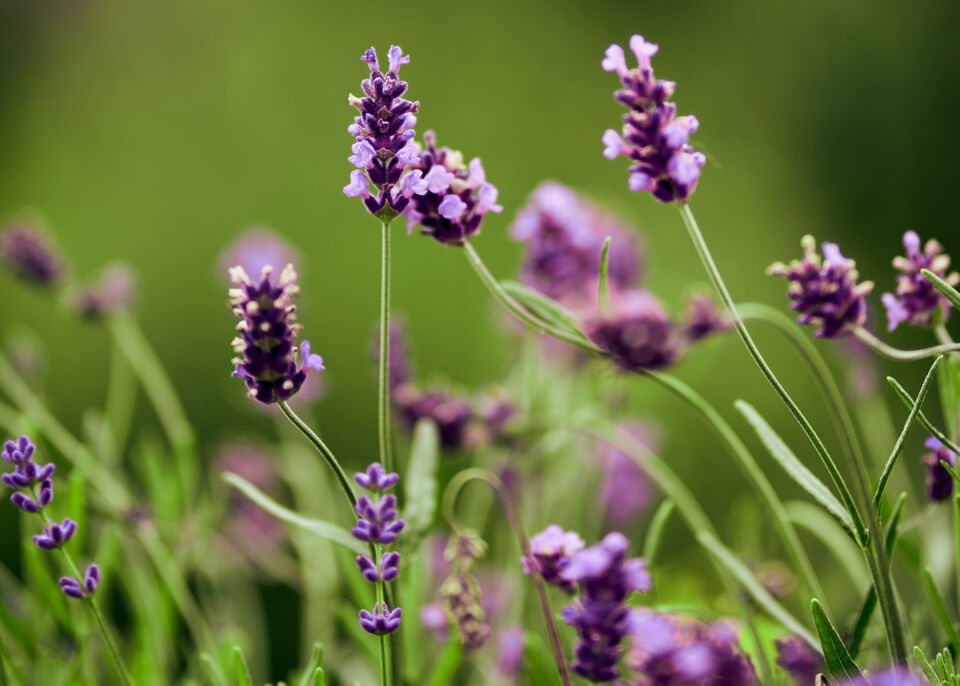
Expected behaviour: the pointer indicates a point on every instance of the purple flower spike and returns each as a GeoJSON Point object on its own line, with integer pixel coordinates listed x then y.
{"type": "Point", "coordinates": [799, 660]}
{"type": "Point", "coordinates": [456, 198]}
{"type": "Point", "coordinates": [384, 148]}
{"type": "Point", "coordinates": [91, 579]}
{"type": "Point", "coordinates": [550, 553]}
{"type": "Point", "coordinates": [606, 579]}
{"type": "Point", "coordinates": [382, 621]}
{"type": "Point", "coordinates": [29, 255]}
{"type": "Point", "coordinates": [18, 452]}
{"type": "Point", "coordinates": [25, 503]}
{"type": "Point", "coordinates": [918, 299]}
{"type": "Point", "coordinates": [71, 587]}
{"type": "Point", "coordinates": [653, 138]}
{"type": "Point", "coordinates": [266, 351]}
{"type": "Point", "coordinates": [368, 569]}
{"type": "Point", "coordinates": [55, 535]}
{"type": "Point", "coordinates": [939, 481]}
{"type": "Point", "coordinates": [376, 479]}
{"type": "Point", "coordinates": [636, 331]}
{"type": "Point", "coordinates": [825, 291]}
{"type": "Point", "coordinates": [378, 523]}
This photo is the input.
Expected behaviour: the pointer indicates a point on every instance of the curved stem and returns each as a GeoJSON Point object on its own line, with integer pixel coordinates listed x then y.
{"type": "Point", "coordinates": [383, 396]}
{"type": "Point", "coordinates": [449, 510]}
{"type": "Point", "coordinates": [886, 350]}
{"type": "Point", "coordinates": [875, 554]}
{"type": "Point", "coordinates": [518, 310]}
{"type": "Point", "coordinates": [754, 474]}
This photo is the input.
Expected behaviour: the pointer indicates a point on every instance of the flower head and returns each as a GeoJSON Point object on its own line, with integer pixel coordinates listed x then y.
{"type": "Point", "coordinates": [453, 415]}
{"type": "Point", "coordinates": [550, 553]}
{"type": "Point", "coordinates": [462, 593]}
{"type": "Point", "coordinates": [256, 248]}
{"type": "Point", "coordinates": [799, 659]}
{"type": "Point", "coordinates": [382, 620]}
{"type": "Point", "coordinates": [564, 234]}
{"type": "Point", "coordinates": [376, 478]}
{"type": "Point", "coordinates": [918, 299]}
{"type": "Point", "coordinates": [114, 292]}
{"type": "Point", "coordinates": [704, 318]}
{"type": "Point", "coordinates": [384, 149]}
{"type": "Point", "coordinates": [653, 138]}
{"type": "Point", "coordinates": [939, 480]}
{"type": "Point", "coordinates": [456, 197]}
{"type": "Point", "coordinates": [825, 290]}
{"type": "Point", "coordinates": [267, 357]}
{"type": "Point", "coordinates": [30, 255]}
{"type": "Point", "coordinates": [636, 331]}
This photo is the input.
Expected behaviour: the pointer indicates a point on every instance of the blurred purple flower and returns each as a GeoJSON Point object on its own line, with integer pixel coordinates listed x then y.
{"type": "Point", "coordinates": [626, 490]}
{"type": "Point", "coordinates": [452, 415]}
{"type": "Point", "coordinates": [256, 248]}
{"type": "Point", "coordinates": [825, 291]}
{"type": "Point", "coordinates": [893, 676]}
{"type": "Point", "coordinates": [799, 659]}
{"type": "Point", "coordinates": [636, 331]}
{"type": "Point", "coordinates": [704, 318]}
{"type": "Point", "coordinates": [653, 138]}
{"type": "Point", "coordinates": [918, 299]}
{"type": "Point", "coordinates": [550, 553]}
{"type": "Point", "coordinates": [510, 645]}
{"type": "Point", "coordinates": [114, 292]}
{"type": "Point", "coordinates": [433, 616]}
{"type": "Point", "coordinates": [939, 481]}
{"type": "Point", "coordinates": [30, 255]}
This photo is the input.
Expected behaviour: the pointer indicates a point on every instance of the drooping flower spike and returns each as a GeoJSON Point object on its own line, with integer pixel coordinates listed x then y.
{"type": "Point", "coordinates": [448, 199]}
{"type": "Point", "coordinates": [29, 254]}
{"type": "Point", "coordinates": [825, 290]}
{"type": "Point", "coordinates": [384, 133]}
{"type": "Point", "coordinates": [917, 300]}
{"type": "Point", "coordinates": [267, 356]}
{"type": "Point", "coordinates": [653, 138]}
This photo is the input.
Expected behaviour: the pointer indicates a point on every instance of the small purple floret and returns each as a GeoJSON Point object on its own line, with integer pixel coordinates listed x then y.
{"type": "Point", "coordinates": [376, 478]}
{"type": "Point", "coordinates": [55, 535]}
{"type": "Point", "coordinates": [29, 255]}
{"type": "Point", "coordinates": [799, 659]}
{"type": "Point", "coordinates": [917, 300]}
{"type": "Point", "coordinates": [382, 621]}
{"type": "Point", "coordinates": [939, 481]}
{"type": "Point", "coordinates": [550, 553]}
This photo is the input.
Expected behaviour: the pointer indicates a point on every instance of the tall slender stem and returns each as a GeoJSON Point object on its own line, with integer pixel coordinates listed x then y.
{"type": "Point", "coordinates": [383, 398]}
{"type": "Point", "coordinates": [886, 350]}
{"type": "Point", "coordinates": [876, 557]}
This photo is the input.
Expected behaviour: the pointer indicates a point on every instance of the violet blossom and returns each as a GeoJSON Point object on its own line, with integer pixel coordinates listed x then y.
{"type": "Point", "coordinates": [798, 659]}
{"type": "Point", "coordinates": [112, 293]}
{"type": "Point", "coordinates": [917, 300]}
{"type": "Point", "coordinates": [625, 491]}
{"type": "Point", "coordinates": [636, 331]}
{"type": "Point", "coordinates": [550, 553]}
{"type": "Point", "coordinates": [30, 255]}
{"type": "Point", "coordinates": [939, 481]}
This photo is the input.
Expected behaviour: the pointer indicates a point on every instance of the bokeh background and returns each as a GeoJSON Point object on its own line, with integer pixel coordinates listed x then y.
{"type": "Point", "coordinates": [155, 133]}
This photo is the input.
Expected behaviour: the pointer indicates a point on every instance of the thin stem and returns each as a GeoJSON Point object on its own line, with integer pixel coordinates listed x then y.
{"type": "Point", "coordinates": [886, 350]}
{"type": "Point", "coordinates": [383, 398]}
{"type": "Point", "coordinates": [875, 554]}
{"type": "Point", "coordinates": [753, 472]}
{"type": "Point", "coordinates": [518, 310]}
{"type": "Point", "coordinates": [449, 509]}
{"type": "Point", "coordinates": [384, 679]}
{"type": "Point", "coordinates": [324, 451]}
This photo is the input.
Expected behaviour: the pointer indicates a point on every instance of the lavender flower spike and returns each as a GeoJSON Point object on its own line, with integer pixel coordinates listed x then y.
{"type": "Point", "coordinates": [56, 535]}
{"type": "Point", "coordinates": [448, 198]}
{"type": "Point", "coordinates": [29, 255]}
{"type": "Point", "coordinates": [384, 133]}
{"type": "Point", "coordinates": [918, 299]}
{"type": "Point", "coordinates": [378, 522]}
{"type": "Point", "coordinates": [636, 331]}
{"type": "Point", "coordinates": [653, 137]}
{"type": "Point", "coordinates": [376, 478]}
{"type": "Point", "coordinates": [266, 351]}
{"type": "Point", "coordinates": [550, 553]}
{"type": "Point", "coordinates": [382, 621]}
{"type": "Point", "coordinates": [825, 291]}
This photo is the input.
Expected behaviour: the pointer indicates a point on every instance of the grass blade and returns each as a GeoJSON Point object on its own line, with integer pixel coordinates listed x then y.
{"type": "Point", "coordinates": [331, 532]}
{"type": "Point", "coordinates": [948, 291]}
{"type": "Point", "coordinates": [920, 417]}
{"type": "Point", "coordinates": [241, 668]}
{"type": "Point", "coordinates": [655, 531]}
{"type": "Point", "coordinates": [839, 662]}
{"type": "Point", "coordinates": [420, 481]}
{"type": "Point", "coordinates": [940, 608]}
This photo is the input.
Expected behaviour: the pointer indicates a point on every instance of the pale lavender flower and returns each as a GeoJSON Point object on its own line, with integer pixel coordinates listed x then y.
{"type": "Point", "coordinates": [799, 659]}
{"type": "Point", "coordinates": [550, 553]}
{"type": "Point", "coordinates": [825, 291]}
{"type": "Point", "coordinates": [653, 138]}
{"type": "Point", "coordinates": [626, 490]}
{"type": "Point", "coordinates": [433, 616]}
{"type": "Point", "coordinates": [704, 318]}
{"type": "Point", "coordinates": [917, 300]}
{"type": "Point", "coordinates": [256, 248]}
{"type": "Point", "coordinates": [30, 255]}
{"type": "Point", "coordinates": [510, 645]}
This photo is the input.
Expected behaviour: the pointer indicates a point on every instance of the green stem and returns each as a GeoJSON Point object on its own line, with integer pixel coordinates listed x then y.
{"type": "Point", "coordinates": [876, 558]}
{"type": "Point", "coordinates": [754, 474]}
{"type": "Point", "coordinates": [449, 510]}
{"type": "Point", "coordinates": [518, 310]}
{"type": "Point", "coordinates": [872, 341]}
{"type": "Point", "coordinates": [383, 398]}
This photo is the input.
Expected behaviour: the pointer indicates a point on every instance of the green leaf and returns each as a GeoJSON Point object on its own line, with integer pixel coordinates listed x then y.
{"type": "Point", "coordinates": [420, 480]}
{"type": "Point", "coordinates": [949, 292]}
{"type": "Point", "coordinates": [604, 281]}
{"type": "Point", "coordinates": [448, 665]}
{"type": "Point", "coordinates": [318, 677]}
{"type": "Point", "coordinates": [760, 594]}
{"type": "Point", "coordinates": [838, 660]}
{"type": "Point", "coordinates": [898, 446]}
{"type": "Point", "coordinates": [926, 667]}
{"type": "Point", "coordinates": [796, 469]}
{"type": "Point", "coordinates": [326, 530]}
{"type": "Point", "coordinates": [213, 670]}
{"type": "Point", "coordinates": [241, 668]}
{"type": "Point", "coordinates": [939, 607]}
{"type": "Point", "coordinates": [920, 417]}
{"type": "Point", "coordinates": [545, 309]}
{"type": "Point", "coordinates": [313, 664]}
{"type": "Point", "coordinates": [651, 543]}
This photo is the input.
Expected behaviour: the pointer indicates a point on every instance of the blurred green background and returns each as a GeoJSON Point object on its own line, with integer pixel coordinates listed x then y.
{"type": "Point", "coordinates": [155, 133]}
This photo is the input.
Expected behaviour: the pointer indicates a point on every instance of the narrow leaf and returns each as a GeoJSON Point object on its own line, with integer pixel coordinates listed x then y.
{"type": "Point", "coordinates": [926, 667]}
{"type": "Point", "coordinates": [949, 292]}
{"type": "Point", "coordinates": [448, 665]}
{"type": "Point", "coordinates": [816, 521]}
{"type": "Point", "coordinates": [326, 530]}
{"type": "Point", "coordinates": [420, 480]}
{"type": "Point", "coordinates": [213, 670]}
{"type": "Point", "coordinates": [796, 469]}
{"type": "Point", "coordinates": [655, 531]}
{"type": "Point", "coordinates": [939, 607]}
{"type": "Point", "coordinates": [839, 662]}
{"type": "Point", "coordinates": [543, 308]}
{"type": "Point", "coordinates": [920, 417]}
{"type": "Point", "coordinates": [898, 446]}
{"type": "Point", "coordinates": [241, 668]}
{"type": "Point", "coordinates": [604, 284]}
{"type": "Point", "coordinates": [313, 664]}
{"type": "Point", "coordinates": [760, 594]}
{"type": "Point", "coordinates": [318, 677]}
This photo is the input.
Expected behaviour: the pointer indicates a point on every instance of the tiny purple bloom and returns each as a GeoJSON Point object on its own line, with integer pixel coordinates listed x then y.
{"type": "Point", "coordinates": [29, 254]}
{"type": "Point", "coordinates": [70, 587]}
{"type": "Point", "coordinates": [917, 300]}
{"type": "Point", "coordinates": [451, 207]}
{"type": "Point", "coordinates": [363, 154]}
{"type": "Point", "coordinates": [359, 186]}
{"type": "Point", "coordinates": [550, 553]}
{"type": "Point", "coordinates": [799, 659]}
{"type": "Point", "coordinates": [91, 579]}
{"type": "Point", "coordinates": [636, 331]}
{"type": "Point", "coordinates": [382, 621]}
{"type": "Point", "coordinates": [376, 478]}
{"type": "Point", "coordinates": [939, 480]}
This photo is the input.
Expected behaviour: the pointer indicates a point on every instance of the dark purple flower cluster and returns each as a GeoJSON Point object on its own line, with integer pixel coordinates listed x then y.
{"type": "Point", "coordinates": [799, 659]}
{"type": "Point", "coordinates": [918, 299]}
{"type": "Point", "coordinates": [550, 553]}
{"type": "Point", "coordinates": [606, 578]}
{"type": "Point", "coordinates": [825, 291]}
{"type": "Point", "coordinates": [447, 199]}
{"type": "Point", "coordinates": [267, 355]}
{"type": "Point", "coordinates": [385, 148]}
{"type": "Point", "coordinates": [564, 234]}
{"type": "Point", "coordinates": [29, 254]}
{"type": "Point", "coordinates": [704, 318]}
{"type": "Point", "coordinates": [114, 292]}
{"type": "Point", "coordinates": [636, 331]}
{"type": "Point", "coordinates": [379, 525]}
{"type": "Point", "coordinates": [653, 138]}
{"type": "Point", "coordinates": [670, 650]}
{"type": "Point", "coordinates": [33, 486]}
{"type": "Point", "coordinates": [939, 481]}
